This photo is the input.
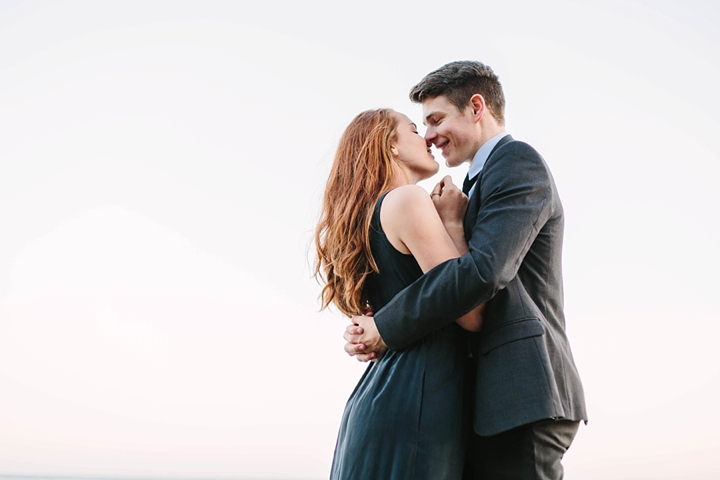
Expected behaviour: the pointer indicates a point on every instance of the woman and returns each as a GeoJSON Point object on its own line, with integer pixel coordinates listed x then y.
{"type": "Point", "coordinates": [378, 232]}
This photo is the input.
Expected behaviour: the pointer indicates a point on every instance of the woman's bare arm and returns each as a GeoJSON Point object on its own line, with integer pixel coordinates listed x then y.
{"type": "Point", "coordinates": [413, 226]}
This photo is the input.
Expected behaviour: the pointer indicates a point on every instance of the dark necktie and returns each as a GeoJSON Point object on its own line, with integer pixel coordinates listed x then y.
{"type": "Point", "coordinates": [468, 183]}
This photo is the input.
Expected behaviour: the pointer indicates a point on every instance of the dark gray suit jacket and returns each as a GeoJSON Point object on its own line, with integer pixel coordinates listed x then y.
{"type": "Point", "coordinates": [514, 222]}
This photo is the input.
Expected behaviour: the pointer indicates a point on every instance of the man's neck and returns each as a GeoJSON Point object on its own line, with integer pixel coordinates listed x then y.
{"type": "Point", "coordinates": [478, 161]}
{"type": "Point", "coordinates": [489, 132]}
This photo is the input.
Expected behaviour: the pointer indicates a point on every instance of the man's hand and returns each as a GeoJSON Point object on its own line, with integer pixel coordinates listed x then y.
{"type": "Point", "coordinates": [450, 203]}
{"type": "Point", "coordinates": [363, 339]}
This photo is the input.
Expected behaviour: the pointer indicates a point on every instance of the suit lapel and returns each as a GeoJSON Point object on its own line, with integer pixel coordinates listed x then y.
{"type": "Point", "coordinates": [475, 202]}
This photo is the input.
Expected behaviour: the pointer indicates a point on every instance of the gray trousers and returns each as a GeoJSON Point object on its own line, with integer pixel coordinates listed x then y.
{"type": "Point", "coordinates": [528, 452]}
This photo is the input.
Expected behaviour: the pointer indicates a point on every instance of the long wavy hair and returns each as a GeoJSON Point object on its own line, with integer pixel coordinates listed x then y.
{"type": "Point", "coordinates": [362, 171]}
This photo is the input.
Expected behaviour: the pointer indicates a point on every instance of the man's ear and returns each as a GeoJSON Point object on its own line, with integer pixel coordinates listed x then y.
{"type": "Point", "coordinates": [477, 103]}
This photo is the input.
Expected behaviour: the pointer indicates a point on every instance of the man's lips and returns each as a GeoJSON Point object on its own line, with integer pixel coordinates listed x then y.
{"type": "Point", "coordinates": [442, 147]}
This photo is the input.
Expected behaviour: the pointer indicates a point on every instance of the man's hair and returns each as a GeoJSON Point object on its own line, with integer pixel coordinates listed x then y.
{"type": "Point", "coordinates": [459, 81]}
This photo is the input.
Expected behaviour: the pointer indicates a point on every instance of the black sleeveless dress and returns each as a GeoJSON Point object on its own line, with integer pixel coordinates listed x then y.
{"type": "Point", "coordinates": [404, 420]}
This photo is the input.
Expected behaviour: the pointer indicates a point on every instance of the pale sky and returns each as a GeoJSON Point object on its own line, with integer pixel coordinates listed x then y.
{"type": "Point", "coordinates": [161, 168]}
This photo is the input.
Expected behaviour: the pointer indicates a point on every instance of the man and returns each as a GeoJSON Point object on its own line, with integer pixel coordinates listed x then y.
{"type": "Point", "coordinates": [528, 398]}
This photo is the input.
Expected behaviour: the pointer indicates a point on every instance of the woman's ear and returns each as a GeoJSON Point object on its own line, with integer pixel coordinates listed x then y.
{"type": "Point", "coordinates": [394, 150]}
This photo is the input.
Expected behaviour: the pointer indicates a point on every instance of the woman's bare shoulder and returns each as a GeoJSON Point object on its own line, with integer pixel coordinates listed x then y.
{"type": "Point", "coordinates": [405, 209]}
{"type": "Point", "coordinates": [407, 198]}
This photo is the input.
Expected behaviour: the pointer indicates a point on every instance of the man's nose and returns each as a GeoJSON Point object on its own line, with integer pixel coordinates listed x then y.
{"type": "Point", "coordinates": [430, 136]}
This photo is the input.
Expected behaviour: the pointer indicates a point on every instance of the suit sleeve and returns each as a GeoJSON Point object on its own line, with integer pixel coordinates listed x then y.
{"type": "Point", "coordinates": [516, 192]}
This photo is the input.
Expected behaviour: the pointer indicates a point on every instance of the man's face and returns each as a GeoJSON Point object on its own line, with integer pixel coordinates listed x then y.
{"type": "Point", "coordinates": [455, 133]}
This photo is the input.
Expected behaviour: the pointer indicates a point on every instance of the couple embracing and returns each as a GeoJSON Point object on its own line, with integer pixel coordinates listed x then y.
{"type": "Point", "coordinates": [456, 297]}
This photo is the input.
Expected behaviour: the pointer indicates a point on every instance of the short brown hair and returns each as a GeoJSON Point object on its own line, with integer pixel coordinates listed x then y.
{"type": "Point", "coordinates": [459, 81]}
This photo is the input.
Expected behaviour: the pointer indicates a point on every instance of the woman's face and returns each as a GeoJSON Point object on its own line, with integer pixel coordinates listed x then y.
{"type": "Point", "coordinates": [412, 152]}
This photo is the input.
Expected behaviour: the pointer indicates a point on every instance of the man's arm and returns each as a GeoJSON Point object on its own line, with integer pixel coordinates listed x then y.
{"type": "Point", "coordinates": [516, 191]}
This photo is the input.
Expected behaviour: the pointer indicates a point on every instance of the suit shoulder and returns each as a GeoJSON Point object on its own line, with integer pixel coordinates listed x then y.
{"type": "Point", "coordinates": [516, 163]}
{"type": "Point", "coordinates": [516, 156]}
{"type": "Point", "coordinates": [518, 148]}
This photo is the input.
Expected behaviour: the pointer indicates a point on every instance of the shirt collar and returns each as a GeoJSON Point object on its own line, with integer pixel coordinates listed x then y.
{"type": "Point", "coordinates": [482, 155]}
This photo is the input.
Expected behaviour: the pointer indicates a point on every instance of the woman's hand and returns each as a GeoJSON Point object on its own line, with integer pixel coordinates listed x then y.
{"type": "Point", "coordinates": [450, 203]}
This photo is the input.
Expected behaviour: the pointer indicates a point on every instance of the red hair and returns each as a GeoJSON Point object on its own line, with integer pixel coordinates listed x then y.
{"type": "Point", "coordinates": [362, 171]}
